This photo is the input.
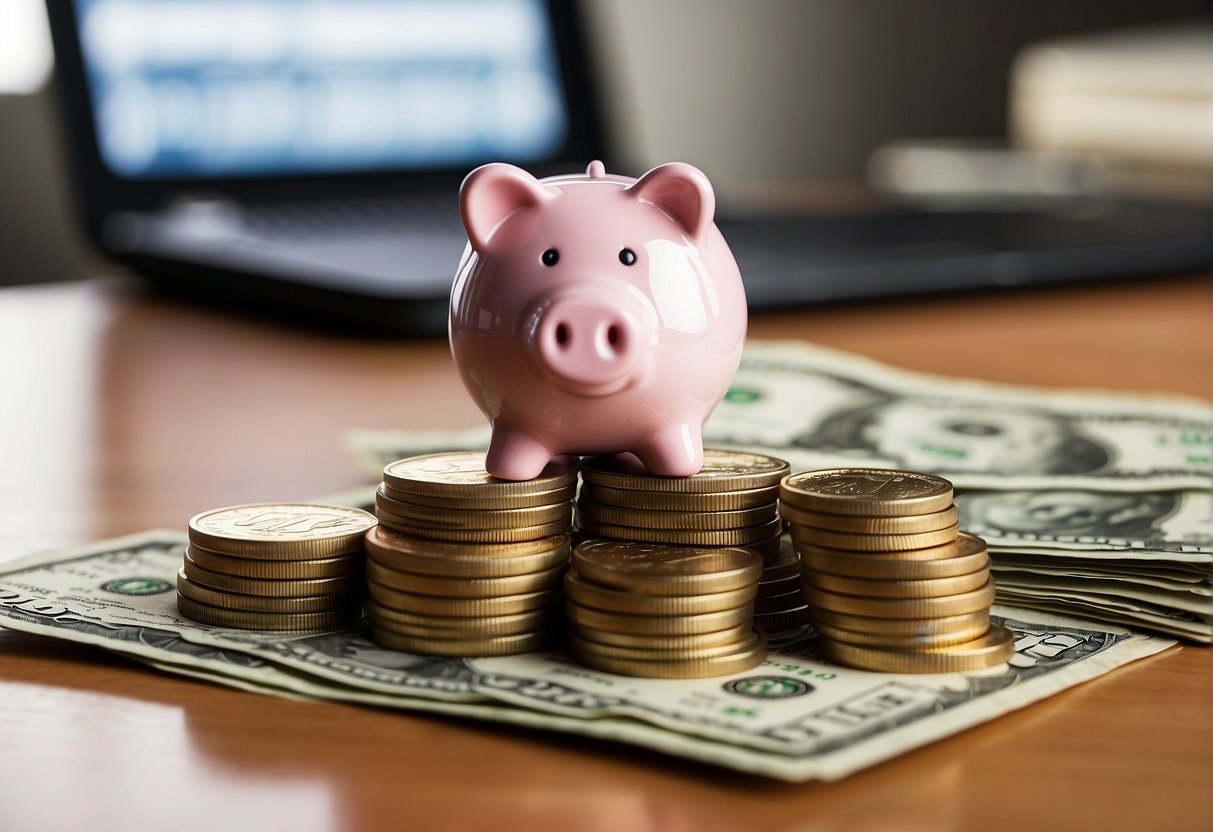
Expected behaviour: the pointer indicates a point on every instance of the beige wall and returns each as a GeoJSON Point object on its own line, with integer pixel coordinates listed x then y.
{"type": "Point", "coordinates": [791, 91]}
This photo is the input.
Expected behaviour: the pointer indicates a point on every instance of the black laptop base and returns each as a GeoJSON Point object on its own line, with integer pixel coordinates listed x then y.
{"type": "Point", "coordinates": [797, 262]}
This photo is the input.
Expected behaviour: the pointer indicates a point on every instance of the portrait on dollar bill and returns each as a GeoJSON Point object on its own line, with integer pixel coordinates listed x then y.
{"type": "Point", "coordinates": [1072, 513]}
{"type": "Point", "coordinates": [927, 433]}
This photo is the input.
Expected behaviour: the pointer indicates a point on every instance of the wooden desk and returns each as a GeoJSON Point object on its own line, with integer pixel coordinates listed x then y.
{"type": "Point", "coordinates": [120, 413]}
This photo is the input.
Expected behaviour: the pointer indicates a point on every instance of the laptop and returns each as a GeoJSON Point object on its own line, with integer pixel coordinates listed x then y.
{"type": "Point", "coordinates": [304, 159]}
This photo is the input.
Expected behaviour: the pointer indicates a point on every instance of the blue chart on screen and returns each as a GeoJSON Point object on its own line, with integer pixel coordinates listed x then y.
{"type": "Point", "coordinates": [206, 88]}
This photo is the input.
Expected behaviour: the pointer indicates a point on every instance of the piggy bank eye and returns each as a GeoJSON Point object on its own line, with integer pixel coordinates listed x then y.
{"type": "Point", "coordinates": [550, 257]}
{"type": "Point", "coordinates": [627, 257]}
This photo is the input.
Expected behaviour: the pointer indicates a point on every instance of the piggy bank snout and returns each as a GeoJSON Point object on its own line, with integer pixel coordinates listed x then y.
{"type": "Point", "coordinates": [591, 343]}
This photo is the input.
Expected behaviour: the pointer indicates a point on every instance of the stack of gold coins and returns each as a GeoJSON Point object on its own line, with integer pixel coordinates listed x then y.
{"type": "Point", "coordinates": [732, 501]}
{"type": "Point", "coordinates": [891, 583]}
{"type": "Point", "coordinates": [780, 610]}
{"type": "Point", "coordinates": [662, 611]}
{"type": "Point", "coordinates": [465, 564]}
{"type": "Point", "coordinates": [274, 566]}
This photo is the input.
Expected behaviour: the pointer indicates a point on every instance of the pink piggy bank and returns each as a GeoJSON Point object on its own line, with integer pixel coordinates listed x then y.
{"type": "Point", "coordinates": [595, 314]}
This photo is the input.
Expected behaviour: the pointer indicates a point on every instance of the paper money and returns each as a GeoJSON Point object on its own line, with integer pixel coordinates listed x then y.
{"type": "Point", "coordinates": [1138, 559]}
{"type": "Point", "coordinates": [1177, 576]}
{"type": "Point", "coordinates": [820, 408]}
{"type": "Point", "coordinates": [1166, 526]}
{"type": "Point", "coordinates": [1110, 609]}
{"type": "Point", "coordinates": [795, 717]}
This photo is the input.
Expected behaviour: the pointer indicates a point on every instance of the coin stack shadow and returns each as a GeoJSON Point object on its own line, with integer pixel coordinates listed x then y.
{"type": "Point", "coordinates": [663, 611]}
{"type": "Point", "coordinates": [891, 583]}
{"type": "Point", "coordinates": [732, 501]}
{"type": "Point", "coordinates": [295, 567]}
{"type": "Point", "coordinates": [464, 564]}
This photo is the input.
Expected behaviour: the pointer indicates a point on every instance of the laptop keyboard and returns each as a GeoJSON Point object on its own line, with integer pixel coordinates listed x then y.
{"type": "Point", "coordinates": [351, 218]}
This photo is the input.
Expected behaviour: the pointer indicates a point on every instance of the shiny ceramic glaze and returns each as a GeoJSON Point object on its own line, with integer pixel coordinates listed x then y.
{"type": "Point", "coordinates": [623, 340]}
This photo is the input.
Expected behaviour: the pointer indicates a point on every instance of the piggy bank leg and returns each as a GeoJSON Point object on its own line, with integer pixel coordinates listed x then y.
{"type": "Point", "coordinates": [674, 451]}
{"type": "Point", "coordinates": [513, 455]}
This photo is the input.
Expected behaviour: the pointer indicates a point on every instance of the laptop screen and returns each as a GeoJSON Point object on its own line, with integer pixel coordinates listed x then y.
{"type": "Point", "coordinates": [187, 89]}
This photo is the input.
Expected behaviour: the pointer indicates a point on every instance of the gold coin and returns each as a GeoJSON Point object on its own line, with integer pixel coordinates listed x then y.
{"type": "Point", "coordinates": [909, 524]}
{"type": "Point", "coordinates": [722, 471]}
{"type": "Point", "coordinates": [892, 641]}
{"type": "Point", "coordinates": [673, 501]}
{"type": "Point", "coordinates": [462, 474]}
{"type": "Point", "coordinates": [772, 622]}
{"type": "Point", "coordinates": [682, 537]}
{"type": "Point", "coordinates": [281, 531]}
{"type": "Point", "coordinates": [927, 588]}
{"type": "Point", "coordinates": [805, 535]}
{"type": "Point", "coordinates": [778, 603]}
{"type": "Point", "coordinates": [261, 603]}
{"type": "Point", "coordinates": [964, 544]}
{"type": "Point", "coordinates": [769, 547]}
{"type": "Point", "coordinates": [687, 643]}
{"type": "Point", "coordinates": [867, 491]}
{"type": "Point", "coordinates": [462, 587]}
{"type": "Point", "coordinates": [615, 600]}
{"type": "Point", "coordinates": [476, 646]}
{"type": "Point", "coordinates": [432, 517]}
{"type": "Point", "coordinates": [515, 534]}
{"type": "Point", "coordinates": [781, 570]}
{"type": "Point", "coordinates": [282, 622]}
{"type": "Point", "coordinates": [578, 644]}
{"type": "Point", "coordinates": [425, 558]}
{"type": "Point", "coordinates": [970, 556]}
{"type": "Point", "coordinates": [272, 587]}
{"type": "Point", "coordinates": [784, 554]}
{"type": "Point", "coordinates": [782, 586]}
{"type": "Point", "coordinates": [489, 625]}
{"type": "Point", "coordinates": [916, 627]}
{"type": "Point", "coordinates": [749, 655]}
{"type": "Point", "coordinates": [655, 569]}
{"type": "Point", "coordinates": [978, 599]}
{"type": "Point", "coordinates": [349, 564]}
{"type": "Point", "coordinates": [461, 628]}
{"type": "Point", "coordinates": [660, 625]}
{"type": "Point", "coordinates": [416, 603]}
{"type": "Point", "coordinates": [475, 500]}
{"type": "Point", "coordinates": [386, 543]}
{"type": "Point", "coordinates": [691, 520]}
{"type": "Point", "coordinates": [992, 649]}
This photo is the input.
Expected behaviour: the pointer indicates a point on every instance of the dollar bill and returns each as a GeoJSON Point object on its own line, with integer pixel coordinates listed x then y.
{"type": "Point", "coordinates": [796, 717]}
{"type": "Point", "coordinates": [1193, 584]}
{"type": "Point", "coordinates": [820, 408]}
{"type": "Point", "coordinates": [1126, 569]}
{"type": "Point", "coordinates": [1117, 608]}
{"type": "Point", "coordinates": [1137, 559]}
{"type": "Point", "coordinates": [1165, 526]}
{"type": "Point", "coordinates": [1196, 604]}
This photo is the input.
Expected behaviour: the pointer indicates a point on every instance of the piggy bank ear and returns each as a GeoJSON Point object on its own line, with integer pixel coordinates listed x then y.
{"type": "Point", "coordinates": [681, 191]}
{"type": "Point", "coordinates": [491, 193]}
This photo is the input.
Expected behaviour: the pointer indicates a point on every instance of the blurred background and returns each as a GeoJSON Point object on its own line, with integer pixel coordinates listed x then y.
{"type": "Point", "coordinates": [784, 103]}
